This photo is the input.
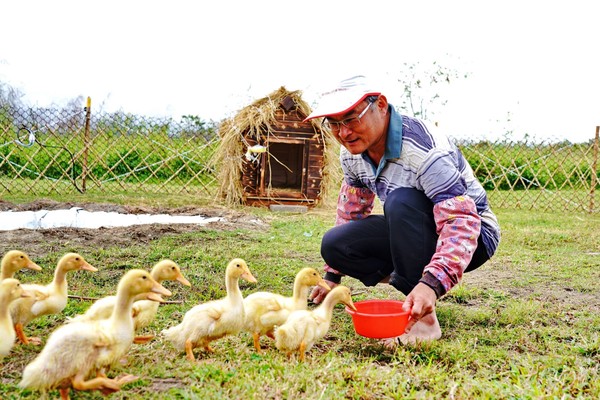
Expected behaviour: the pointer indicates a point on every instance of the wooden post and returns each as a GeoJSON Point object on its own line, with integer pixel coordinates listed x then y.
{"type": "Point", "coordinates": [594, 170]}
{"type": "Point", "coordinates": [86, 142]}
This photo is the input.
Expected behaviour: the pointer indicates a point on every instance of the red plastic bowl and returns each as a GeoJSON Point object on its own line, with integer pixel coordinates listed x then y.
{"type": "Point", "coordinates": [379, 319]}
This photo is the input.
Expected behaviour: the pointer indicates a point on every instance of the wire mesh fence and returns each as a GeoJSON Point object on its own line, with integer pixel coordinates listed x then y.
{"type": "Point", "coordinates": [543, 175]}
{"type": "Point", "coordinates": [64, 151]}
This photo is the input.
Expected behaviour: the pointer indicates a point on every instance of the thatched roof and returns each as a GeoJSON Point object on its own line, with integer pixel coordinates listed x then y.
{"type": "Point", "coordinates": [254, 121]}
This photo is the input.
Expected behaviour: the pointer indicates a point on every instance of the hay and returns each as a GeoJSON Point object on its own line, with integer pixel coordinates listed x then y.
{"type": "Point", "coordinates": [254, 121]}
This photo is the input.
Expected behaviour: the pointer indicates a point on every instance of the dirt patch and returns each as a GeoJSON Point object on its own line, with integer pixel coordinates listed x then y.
{"type": "Point", "coordinates": [41, 240]}
{"type": "Point", "coordinates": [492, 276]}
{"type": "Point", "coordinates": [45, 204]}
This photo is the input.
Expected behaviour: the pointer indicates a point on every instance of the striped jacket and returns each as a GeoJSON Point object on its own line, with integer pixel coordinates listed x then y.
{"type": "Point", "coordinates": [419, 156]}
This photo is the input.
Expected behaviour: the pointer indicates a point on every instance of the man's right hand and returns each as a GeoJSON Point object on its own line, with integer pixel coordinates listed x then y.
{"type": "Point", "coordinates": [318, 293]}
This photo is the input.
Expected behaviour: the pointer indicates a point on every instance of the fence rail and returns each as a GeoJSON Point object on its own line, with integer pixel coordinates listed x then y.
{"type": "Point", "coordinates": [49, 151]}
{"type": "Point", "coordinates": [64, 151]}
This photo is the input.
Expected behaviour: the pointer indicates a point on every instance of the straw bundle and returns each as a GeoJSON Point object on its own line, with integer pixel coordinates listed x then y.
{"type": "Point", "coordinates": [254, 122]}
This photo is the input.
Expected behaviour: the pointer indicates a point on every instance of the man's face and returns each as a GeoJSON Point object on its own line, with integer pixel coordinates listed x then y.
{"type": "Point", "coordinates": [360, 128]}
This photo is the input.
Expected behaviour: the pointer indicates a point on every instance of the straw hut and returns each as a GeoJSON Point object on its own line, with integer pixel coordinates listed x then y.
{"type": "Point", "coordinates": [268, 155]}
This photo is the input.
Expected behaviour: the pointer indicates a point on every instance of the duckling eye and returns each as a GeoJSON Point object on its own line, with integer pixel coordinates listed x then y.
{"type": "Point", "coordinates": [144, 277]}
{"type": "Point", "coordinates": [173, 268]}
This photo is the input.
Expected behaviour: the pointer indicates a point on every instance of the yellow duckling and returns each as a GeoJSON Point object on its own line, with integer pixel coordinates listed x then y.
{"type": "Point", "coordinates": [304, 328]}
{"type": "Point", "coordinates": [13, 261]}
{"type": "Point", "coordinates": [214, 319]}
{"type": "Point", "coordinates": [10, 290]}
{"type": "Point", "coordinates": [144, 311]}
{"type": "Point", "coordinates": [48, 299]}
{"type": "Point", "coordinates": [265, 310]}
{"type": "Point", "coordinates": [75, 350]}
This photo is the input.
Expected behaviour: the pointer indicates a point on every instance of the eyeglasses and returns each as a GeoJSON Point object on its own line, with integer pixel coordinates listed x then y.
{"type": "Point", "coordinates": [350, 123]}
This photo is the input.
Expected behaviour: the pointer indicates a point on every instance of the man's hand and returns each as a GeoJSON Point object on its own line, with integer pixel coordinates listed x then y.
{"type": "Point", "coordinates": [318, 293]}
{"type": "Point", "coordinates": [421, 302]}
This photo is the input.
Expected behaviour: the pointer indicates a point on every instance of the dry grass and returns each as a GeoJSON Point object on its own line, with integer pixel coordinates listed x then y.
{"type": "Point", "coordinates": [255, 121]}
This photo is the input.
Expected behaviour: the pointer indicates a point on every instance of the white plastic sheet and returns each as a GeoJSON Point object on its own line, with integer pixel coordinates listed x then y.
{"type": "Point", "coordinates": [77, 217]}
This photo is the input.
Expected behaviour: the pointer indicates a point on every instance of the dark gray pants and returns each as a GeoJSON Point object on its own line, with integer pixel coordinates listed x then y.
{"type": "Point", "coordinates": [399, 243]}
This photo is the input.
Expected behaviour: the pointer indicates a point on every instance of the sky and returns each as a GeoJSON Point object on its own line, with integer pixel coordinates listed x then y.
{"type": "Point", "coordinates": [532, 66]}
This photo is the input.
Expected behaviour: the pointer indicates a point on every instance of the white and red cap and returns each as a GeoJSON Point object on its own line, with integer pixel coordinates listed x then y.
{"type": "Point", "coordinates": [346, 95]}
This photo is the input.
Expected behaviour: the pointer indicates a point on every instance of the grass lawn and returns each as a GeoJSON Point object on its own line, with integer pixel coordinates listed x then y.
{"type": "Point", "coordinates": [526, 325]}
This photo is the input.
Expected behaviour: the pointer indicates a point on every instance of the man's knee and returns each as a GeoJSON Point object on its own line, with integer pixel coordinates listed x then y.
{"type": "Point", "coordinates": [407, 200]}
{"type": "Point", "coordinates": [330, 246]}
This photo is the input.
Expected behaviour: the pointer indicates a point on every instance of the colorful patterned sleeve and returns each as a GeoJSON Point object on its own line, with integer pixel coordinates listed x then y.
{"type": "Point", "coordinates": [458, 226]}
{"type": "Point", "coordinates": [353, 203]}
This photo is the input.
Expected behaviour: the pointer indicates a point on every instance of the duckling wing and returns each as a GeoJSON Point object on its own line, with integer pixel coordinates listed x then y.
{"type": "Point", "coordinates": [208, 317]}
{"type": "Point", "coordinates": [46, 301]}
{"type": "Point", "coordinates": [198, 322]}
{"type": "Point", "coordinates": [213, 313]}
{"type": "Point", "coordinates": [275, 316]}
{"type": "Point", "coordinates": [70, 349]}
{"type": "Point", "coordinates": [100, 309]}
{"type": "Point", "coordinates": [40, 295]}
{"type": "Point", "coordinates": [21, 308]}
{"type": "Point", "coordinates": [216, 318]}
{"type": "Point", "coordinates": [144, 312]}
{"type": "Point", "coordinates": [264, 310]}
{"type": "Point", "coordinates": [295, 330]}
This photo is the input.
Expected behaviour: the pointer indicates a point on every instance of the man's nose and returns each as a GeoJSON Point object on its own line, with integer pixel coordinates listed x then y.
{"type": "Point", "coordinates": [344, 131]}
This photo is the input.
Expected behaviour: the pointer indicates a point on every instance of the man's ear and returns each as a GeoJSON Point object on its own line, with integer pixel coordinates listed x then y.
{"type": "Point", "coordinates": [382, 103]}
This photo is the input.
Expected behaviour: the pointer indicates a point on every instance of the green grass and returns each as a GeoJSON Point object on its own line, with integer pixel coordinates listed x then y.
{"type": "Point", "coordinates": [171, 199]}
{"type": "Point", "coordinates": [524, 326]}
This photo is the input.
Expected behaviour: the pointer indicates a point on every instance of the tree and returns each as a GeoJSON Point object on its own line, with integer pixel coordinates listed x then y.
{"type": "Point", "coordinates": [9, 95]}
{"type": "Point", "coordinates": [422, 88]}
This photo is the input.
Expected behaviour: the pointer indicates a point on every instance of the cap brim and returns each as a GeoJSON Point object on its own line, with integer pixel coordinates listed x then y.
{"type": "Point", "coordinates": [338, 104]}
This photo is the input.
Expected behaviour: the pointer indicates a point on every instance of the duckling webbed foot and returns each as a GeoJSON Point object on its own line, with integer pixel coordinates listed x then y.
{"type": "Point", "coordinates": [108, 391]}
{"type": "Point", "coordinates": [256, 340]}
{"type": "Point", "coordinates": [302, 351]}
{"type": "Point", "coordinates": [126, 378]}
{"type": "Point", "coordinates": [101, 373]}
{"type": "Point", "coordinates": [23, 338]}
{"type": "Point", "coordinates": [120, 381]}
{"type": "Point", "coordinates": [142, 339]}
{"type": "Point", "coordinates": [105, 385]}
{"type": "Point", "coordinates": [36, 341]}
{"type": "Point", "coordinates": [207, 348]}
{"type": "Point", "coordinates": [64, 393]}
{"type": "Point", "coordinates": [189, 350]}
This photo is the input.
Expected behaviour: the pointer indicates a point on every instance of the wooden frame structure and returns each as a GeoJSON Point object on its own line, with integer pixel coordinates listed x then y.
{"type": "Point", "coordinates": [290, 170]}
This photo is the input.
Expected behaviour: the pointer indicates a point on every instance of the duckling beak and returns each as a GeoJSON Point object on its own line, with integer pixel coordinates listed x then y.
{"type": "Point", "coordinates": [26, 294]}
{"type": "Point", "coordinates": [160, 289]}
{"type": "Point", "coordinates": [33, 266]}
{"type": "Point", "coordinates": [86, 266]}
{"type": "Point", "coordinates": [249, 277]}
{"type": "Point", "coordinates": [155, 297]}
{"type": "Point", "coordinates": [324, 285]}
{"type": "Point", "coordinates": [181, 279]}
{"type": "Point", "coordinates": [350, 304]}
